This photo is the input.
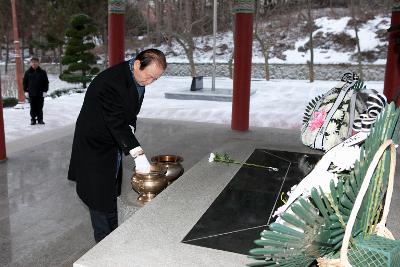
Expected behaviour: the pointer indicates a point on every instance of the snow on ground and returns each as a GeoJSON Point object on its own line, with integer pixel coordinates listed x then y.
{"type": "Point", "coordinates": [57, 112]}
{"type": "Point", "coordinates": [276, 103]}
{"type": "Point", "coordinates": [56, 84]}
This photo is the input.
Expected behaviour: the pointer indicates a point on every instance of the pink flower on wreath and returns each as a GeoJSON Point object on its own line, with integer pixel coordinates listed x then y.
{"type": "Point", "coordinates": [318, 119]}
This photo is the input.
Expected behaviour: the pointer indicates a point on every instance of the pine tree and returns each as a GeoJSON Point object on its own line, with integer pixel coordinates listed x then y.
{"type": "Point", "coordinates": [77, 53]}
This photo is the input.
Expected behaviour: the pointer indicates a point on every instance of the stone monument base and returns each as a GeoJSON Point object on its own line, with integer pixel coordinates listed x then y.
{"type": "Point", "coordinates": [219, 94]}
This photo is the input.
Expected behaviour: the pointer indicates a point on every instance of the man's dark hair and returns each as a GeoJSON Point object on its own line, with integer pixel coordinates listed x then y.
{"type": "Point", "coordinates": [149, 56]}
{"type": "Point", "coordinates": [35, 59]}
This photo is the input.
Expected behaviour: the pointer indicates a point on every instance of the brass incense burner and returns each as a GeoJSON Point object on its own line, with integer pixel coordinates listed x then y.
{"type": "Point", "coordinates": [172, 164]}
{"type": "Point", "coordinates": [148, 185]}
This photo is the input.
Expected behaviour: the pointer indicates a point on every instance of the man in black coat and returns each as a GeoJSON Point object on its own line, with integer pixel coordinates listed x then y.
{"type": "Point", "coordinates": [36, 85]}
{"type": "Point", "coordinates": [104, 129]}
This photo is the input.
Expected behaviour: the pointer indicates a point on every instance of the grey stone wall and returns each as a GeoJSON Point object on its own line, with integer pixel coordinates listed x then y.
{"type": "Point", "coordinates": [284, 71]}
{"type": "Point", "coordinates": [277, 71]}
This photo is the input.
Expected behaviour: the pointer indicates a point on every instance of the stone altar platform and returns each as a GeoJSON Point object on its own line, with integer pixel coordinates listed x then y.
{"type": "Point", "coordinates": [153, 235]}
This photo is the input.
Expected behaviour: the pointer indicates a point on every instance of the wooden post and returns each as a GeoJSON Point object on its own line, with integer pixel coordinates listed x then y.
{"type": "Point", "coordinates": [116, 32]}
{"type": "Point", "coordinates": [18, 61]}
{"type": "Point", "coordinates": [244, 10]}
{"type": "Point", "coordinates": [392, 72]}
{"type": "Point", "coordinates": [3, 155]}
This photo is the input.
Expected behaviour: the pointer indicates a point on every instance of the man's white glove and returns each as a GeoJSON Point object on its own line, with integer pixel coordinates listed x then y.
{"type": "Point", "coordinates": [141, 162]}
{"type": "Point", "coordinates": [44, 94]}
{"type": "Point", "coordinates": [26, 95]}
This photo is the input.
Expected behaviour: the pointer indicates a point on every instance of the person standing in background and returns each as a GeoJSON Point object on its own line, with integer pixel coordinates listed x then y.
{"type": "Point", "coordinates": [36, 85]}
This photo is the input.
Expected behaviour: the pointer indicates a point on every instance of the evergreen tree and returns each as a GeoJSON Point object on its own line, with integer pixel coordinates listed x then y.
{"type": "Point", "coordinates": [77, 52]}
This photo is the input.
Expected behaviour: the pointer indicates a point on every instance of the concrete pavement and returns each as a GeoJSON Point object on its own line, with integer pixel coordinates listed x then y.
{"type": "Point", "coordinates": [43, 222]}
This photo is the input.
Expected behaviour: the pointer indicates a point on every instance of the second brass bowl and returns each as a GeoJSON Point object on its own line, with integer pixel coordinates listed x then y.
{"type": "Point", "coordinates": [172, 164]}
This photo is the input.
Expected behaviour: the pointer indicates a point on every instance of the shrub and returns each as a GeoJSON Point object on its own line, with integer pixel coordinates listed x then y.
{"type": "Point", "coordinates": [78, 55]}
{"type": "Point", "coordinates": [66, 91]}
{"type": "Point", "coordinates": [9, 102]}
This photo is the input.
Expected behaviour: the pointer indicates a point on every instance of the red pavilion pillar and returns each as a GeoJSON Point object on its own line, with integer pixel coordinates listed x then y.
{"type": "Point", "coordinates": [18, 60]}
{"type": "Point", "coordinates": [392, 72]}
{"type": "Point", "coordinates": [3, 155]}
{"type": "Point", "coordinates": [116, 32]}
{"type": "Point", "coordinates": [243, 41]}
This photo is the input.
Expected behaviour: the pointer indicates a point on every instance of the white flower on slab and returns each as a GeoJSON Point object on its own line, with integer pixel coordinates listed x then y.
{"type": "Point", "coordinates": [211, 158]}
{"type": "Point", "coordinates": [225, 158]}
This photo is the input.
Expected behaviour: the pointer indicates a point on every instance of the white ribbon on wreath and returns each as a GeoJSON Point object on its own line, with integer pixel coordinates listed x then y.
{"type": "Point", "coordinates": [375, 104]}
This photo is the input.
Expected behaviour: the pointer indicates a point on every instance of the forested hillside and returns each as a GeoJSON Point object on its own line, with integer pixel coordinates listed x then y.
{"type": "Point", "coordinates": [341, 31]}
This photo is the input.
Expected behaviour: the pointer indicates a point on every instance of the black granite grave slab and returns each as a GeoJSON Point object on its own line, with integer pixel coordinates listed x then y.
{"type": "Point", "coordinates": [245, 206]}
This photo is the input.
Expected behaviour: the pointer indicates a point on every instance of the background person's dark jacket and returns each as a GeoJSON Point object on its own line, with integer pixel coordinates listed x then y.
{"type": "Point", "coordinates": [111, 104]}
{"type": "Point", "coordinates": [36, 81]}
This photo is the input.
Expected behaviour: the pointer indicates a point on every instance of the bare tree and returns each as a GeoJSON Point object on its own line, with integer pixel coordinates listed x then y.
{"type": "Point", "coordinates": [262, 42]}
{"type": "Point", "coordinates": [355, 24]}
{"type": "Point", "coordinates": [230, 64]}
{"type": "Point", "coordinates": [168, 21]}
{"type": "Point", "coordinates": [230, 61]}
{"type": "Point", "coordinates": [272, 26]}
{"type": "Point", "coordinates": [159, 10]}
{"type": "Point", "coordinates": [148, 20]}
{"type": "Point", "coordinates": [310, 24]}
{"type": "Point", "coordinates": [225, 17]}
{"type": "Point", "coordinates": [7, 52]}
{"type": "Point", "coordinates": [184, 31]}
{"type": "Point", "coordinates": [105, 44]}
{"type": "Point", "coordinates": [5, 29]}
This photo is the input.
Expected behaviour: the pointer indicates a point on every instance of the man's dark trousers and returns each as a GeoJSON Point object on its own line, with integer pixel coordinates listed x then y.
{"type": "Point", "coordinates": [104, 223]}
{"type": "Point", "coordinates": [36, 108]}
